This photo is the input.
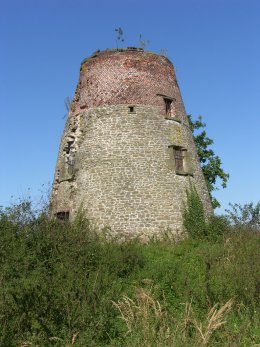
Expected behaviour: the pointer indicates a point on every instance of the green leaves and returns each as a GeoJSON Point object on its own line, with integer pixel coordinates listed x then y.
{"type": "Point", "coordinates": [193, 216]}
{"type": "Point", "coordinates": [59, 282]}
{"type": "Point", "coordinates": [243, 216]}
{"type": "Point", "coordinates": [210, 162]}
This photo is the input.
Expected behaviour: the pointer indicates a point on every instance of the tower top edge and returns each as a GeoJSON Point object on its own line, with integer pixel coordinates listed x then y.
{"type": "Point", "coordinates": [133, 50]}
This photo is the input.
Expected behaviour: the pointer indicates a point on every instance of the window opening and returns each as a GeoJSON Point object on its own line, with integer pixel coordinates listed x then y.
{"type": "Point", "coordinates": [168, 107]}
{"type": "Point", "coordinates": [63, 215]}
{"type": "Point", "coordinates": [131, 109]}
{"type": "Point", "coordinates": [180, 160]}
{"type": "Point", "coordinates": [68, 145]}
{"type": "Point", "coordinates": [178, 157]}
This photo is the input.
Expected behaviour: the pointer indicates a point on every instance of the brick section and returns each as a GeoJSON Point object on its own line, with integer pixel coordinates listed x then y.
{"type": "Point", "coordinates": [126, 77]}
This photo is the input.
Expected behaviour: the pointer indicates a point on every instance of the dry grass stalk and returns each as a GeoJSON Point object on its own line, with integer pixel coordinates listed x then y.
{"type": "Point", "coordinates": [145, 314]}
{"type": "Point", "coordinates": [74, 338]}
{"type": "Point", "coordinates": [215, 319]}
{"type": "Point", "coordinates": [125, 307]}
{"type": "Point", "coordinates": [145, 302]}
{"type": "Point", "coordinates": [144, 311]}
{"type": "Point", "coordinates": [55, 338]}
{"type": "Point", "coordinates": [187, 320]}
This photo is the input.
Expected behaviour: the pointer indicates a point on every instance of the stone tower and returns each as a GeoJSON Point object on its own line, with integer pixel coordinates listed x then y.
{"type": "Point", "coordinates": [127, 153]}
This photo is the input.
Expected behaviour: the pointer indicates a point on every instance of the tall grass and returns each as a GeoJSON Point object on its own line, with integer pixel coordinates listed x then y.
{"type": "Point", "coordinates": [149, 324]}
{"type": "Point", "coordinates": [62, 284]}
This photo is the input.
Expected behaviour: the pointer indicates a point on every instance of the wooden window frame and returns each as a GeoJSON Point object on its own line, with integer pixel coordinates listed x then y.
{"type": "Point", "coordinates": [185, 168]}
{"type": "Point", "coordinates": [179, 159]}
{"type": "Point", "coordinates": [169, 102]}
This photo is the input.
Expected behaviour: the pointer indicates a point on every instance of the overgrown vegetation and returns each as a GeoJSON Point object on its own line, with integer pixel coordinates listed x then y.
{"type": "Point", "coordinates": [64, 285]}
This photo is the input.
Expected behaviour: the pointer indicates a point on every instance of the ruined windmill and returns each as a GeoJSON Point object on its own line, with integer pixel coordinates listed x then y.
{"type": "Point", "coordinates": [127, 155]}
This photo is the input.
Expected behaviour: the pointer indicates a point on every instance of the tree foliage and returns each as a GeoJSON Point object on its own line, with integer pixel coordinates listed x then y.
{"type": "Point", "coordinates": [210, 162]}
{"type": "Point", "coordinates": [246, 215]}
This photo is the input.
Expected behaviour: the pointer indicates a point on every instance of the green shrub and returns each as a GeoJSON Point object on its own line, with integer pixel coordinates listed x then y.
{"type": "Point", "coordinates": [58, 279]}
{"type": "Point", "coordinates": [195, 223]}
{"type": "Point", "coordinates": [193, 216]}
{"type": "Point", "coordinates": [62, 284]}
{"type": "Point", "coordinates": [244, 216]}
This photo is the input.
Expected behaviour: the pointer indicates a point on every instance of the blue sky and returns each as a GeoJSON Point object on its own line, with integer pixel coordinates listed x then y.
{"type": "Point", "coordinates": [214, 45]}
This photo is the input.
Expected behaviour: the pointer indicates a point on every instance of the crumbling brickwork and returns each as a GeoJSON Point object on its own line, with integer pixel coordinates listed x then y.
{"type": "Point", "coordinates": [129, 76]}
{"type": "Point", "coordinates": [127, 154]}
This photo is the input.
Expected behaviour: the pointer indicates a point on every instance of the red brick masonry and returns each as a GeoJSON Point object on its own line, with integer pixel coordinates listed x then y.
{"type": "Point", "coordinates": [125, 76]}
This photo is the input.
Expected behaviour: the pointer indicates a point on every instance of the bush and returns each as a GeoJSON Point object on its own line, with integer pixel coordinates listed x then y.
{"type": "Point", "coordinates": [62, 284]}
{"type": "Point", "coordinates": [195, 223]}
{"type": "Point", "coordinates": [58, 279]}
{"type": "Point", "coordinates": [193, 216]}
{"type": "Point", "coordinates": [243, 216]}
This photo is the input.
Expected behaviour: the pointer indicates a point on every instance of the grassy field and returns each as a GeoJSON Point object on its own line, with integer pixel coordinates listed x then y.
{"type": "Point", "coordinates": [64, 285]}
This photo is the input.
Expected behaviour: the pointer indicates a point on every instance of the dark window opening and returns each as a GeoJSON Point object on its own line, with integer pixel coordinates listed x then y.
{"type": "Point", "coordinates": [63, 215]}
{"type": "Point", "coordinates": [180, 161]}
{"type": "Point", "coordinates": [178, 157]}
{"type": "Point", "coordinates": [168, 107]}
{"type": "Point", "coordinates": [68, 145]}
{"type": "Point", "coordinates": [131, 109]}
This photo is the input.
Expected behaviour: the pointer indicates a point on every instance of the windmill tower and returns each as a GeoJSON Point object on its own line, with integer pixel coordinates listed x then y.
{"type": "Point", "coordinates": [127, 153]}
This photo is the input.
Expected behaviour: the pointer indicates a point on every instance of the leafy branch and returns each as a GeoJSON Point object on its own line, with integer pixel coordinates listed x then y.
{"type": "Point", "coordinates": [210, 162]}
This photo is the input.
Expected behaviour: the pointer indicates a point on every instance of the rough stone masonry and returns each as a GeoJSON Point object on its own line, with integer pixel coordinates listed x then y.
{"type": "Point", "coordinates": [127, 154]}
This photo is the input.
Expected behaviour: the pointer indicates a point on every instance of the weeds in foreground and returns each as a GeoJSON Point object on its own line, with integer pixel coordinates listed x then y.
{"type": "Point", "coordinates": [144, 315]}
{"type": "Point", "coordinates": [62, 284]}
{"type": "Point", "coordinates": [149, 324]}
{"type": "Point", "coordinates": [214, 321]}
